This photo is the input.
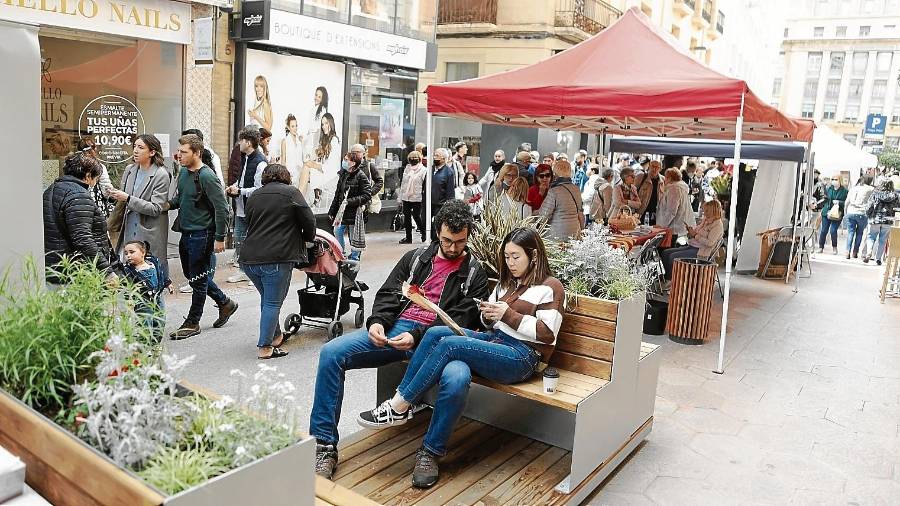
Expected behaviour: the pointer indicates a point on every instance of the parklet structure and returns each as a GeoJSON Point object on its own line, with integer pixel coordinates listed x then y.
{"type": "Point", "coordinates": [682, 99]}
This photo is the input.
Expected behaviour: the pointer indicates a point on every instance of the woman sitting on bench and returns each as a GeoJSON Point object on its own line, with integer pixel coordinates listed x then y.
{"type": "Point", "coordinates": [702, 238]}
{"type": "Point", "coordinates": [523, 313]}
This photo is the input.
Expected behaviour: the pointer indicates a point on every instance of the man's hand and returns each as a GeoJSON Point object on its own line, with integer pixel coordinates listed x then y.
{"type": "Point", "coordinates": [118, 195]}
{"type": "Point", "coordinates": [219, 246]}
{"type": "Point", "coordinates": [376, 335]}
{"type": "Point", "coordinates": [402, 342]}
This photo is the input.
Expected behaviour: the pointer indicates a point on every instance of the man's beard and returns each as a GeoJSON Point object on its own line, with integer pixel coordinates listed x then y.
{"type": "Point", "coordinates": [452, 255]}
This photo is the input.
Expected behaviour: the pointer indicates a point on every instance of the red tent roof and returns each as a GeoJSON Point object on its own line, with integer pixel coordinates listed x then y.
{"type": "Point", "coordinates": [630, 79]}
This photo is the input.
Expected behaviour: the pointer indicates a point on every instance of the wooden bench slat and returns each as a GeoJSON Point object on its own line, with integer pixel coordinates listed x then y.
{"type": "Point", "coordinates": [581, 364]}
{"type": "Point", "coordinates": [588, 326]}
{"type": "Point", "coordinates": [329, 492]}
{"type": "Point", "coordinates": [584, 345]}
{"type": "Point", "coordinates": [533, 389]}
{"type": "Point", "coordinates": [597, 308]}
{"type": "Point", "coordinates": [583, 378]}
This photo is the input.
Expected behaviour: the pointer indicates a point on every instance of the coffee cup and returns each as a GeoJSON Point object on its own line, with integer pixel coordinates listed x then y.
{"type": "Point", "coordinates": [551, 379]}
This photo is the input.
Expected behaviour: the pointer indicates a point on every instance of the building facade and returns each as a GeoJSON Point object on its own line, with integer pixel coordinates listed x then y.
{"type": "Point", "coordinates": [841, 63]}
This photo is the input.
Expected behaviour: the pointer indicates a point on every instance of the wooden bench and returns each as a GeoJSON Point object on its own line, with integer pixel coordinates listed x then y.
{"type": "Point", "coordinates": [603, 407]}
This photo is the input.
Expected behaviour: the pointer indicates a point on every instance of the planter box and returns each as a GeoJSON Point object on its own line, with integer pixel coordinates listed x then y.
{"type": "Point", "coordinates": [587, 337]}
{"type": "Point", "coordinates": [66, 470]}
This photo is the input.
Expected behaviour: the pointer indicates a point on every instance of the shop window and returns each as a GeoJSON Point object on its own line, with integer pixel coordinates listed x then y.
{"type": "Point", "coordinates": [416, 19]}
{"type": "Point", "coordinates": [373, 14]}
{"type": "Point", "coordinates": [333, 10]}
{"type": "Point", "coordinates": [382, 118]}
{"type": "Point", "coordinates": [110, 88]}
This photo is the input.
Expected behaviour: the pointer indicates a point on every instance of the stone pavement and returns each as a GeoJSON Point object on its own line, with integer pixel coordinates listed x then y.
{"type": "Point", "coordinates": [807, 411]}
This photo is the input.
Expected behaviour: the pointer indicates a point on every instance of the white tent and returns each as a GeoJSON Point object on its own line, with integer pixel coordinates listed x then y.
{"type": "Point", "coordinates": [834, 154]}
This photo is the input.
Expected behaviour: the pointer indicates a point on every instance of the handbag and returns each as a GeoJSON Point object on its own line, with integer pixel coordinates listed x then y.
{"type": "Point", "coordinates": [115, 223]}
{"type": "Point", "coordinates": [835, 213]}
{"type": "Point", "coordinates": [625, 220]}
{"type": "Point", "coordinates": [374, 205]}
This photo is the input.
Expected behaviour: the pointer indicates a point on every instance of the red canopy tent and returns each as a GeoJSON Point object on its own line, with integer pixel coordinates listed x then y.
{"type": "Point", "coordinates": [630, 79]}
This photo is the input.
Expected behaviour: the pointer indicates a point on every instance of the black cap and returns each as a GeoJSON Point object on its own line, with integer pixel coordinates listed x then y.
{"type": "Point", "coordinates": [551, 372]}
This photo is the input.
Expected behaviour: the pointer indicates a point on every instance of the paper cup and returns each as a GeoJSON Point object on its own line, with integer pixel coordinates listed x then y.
{"type": "Point", "coordinates": [551, 380]}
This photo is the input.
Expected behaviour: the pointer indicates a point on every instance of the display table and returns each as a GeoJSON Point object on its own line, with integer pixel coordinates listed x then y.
{"type": "Point", "coordinates": [690, 300]}
{"type": "Point", "coordinates": [639, 236]}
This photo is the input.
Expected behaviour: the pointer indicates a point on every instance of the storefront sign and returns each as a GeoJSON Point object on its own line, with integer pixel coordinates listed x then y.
{"type": "Point", "coordinates": [114, 122]}
{"type": "Point", "coordinates": [318, 35]}
{"type": "Point", "coordinates": [161, 20]}
{"type": "Point", "coordinates": [203, 41]}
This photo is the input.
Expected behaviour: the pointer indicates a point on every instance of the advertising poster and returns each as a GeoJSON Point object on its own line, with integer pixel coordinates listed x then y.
{"type": "Point", "coordinates": [300, 100]}
{"type": "Point", "coordinates": [113, 122]}
{"type": "Point", "coordinates": [391, 127]}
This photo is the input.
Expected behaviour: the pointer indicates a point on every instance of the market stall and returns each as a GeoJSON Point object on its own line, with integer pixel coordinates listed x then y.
{"type": "Point", "coordinates": [684, 99]}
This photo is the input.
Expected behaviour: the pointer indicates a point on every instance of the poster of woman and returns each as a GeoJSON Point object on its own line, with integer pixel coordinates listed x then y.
{"type": "Point", "coordinates": [307, 135]}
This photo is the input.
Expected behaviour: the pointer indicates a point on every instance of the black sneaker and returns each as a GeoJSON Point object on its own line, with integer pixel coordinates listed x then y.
{"type": "Point", "coordinates": [187, 329]}
{"type": "Point", "coordinates": [405, 241]}
{"type": "Point", "coordinates": [426, 473]}
{"type": "Point", "coordinates": [326, 460]}
{"type": "Point", "coordinates": [225, 311]}
{"type": "Point", "coordinates": [383, 416]}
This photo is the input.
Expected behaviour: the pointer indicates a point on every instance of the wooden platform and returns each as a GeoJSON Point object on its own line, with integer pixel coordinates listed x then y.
{"type": "Point", "coordinates": [485, 465]}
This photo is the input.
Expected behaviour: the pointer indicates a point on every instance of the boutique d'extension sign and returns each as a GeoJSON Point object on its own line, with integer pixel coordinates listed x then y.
{"type": "Point", "coordinates": [114, 122]}
{"type": "Point", "coordinates": [161, 20]}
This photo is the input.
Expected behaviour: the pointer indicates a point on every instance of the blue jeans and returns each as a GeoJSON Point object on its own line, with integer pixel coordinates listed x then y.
{"type": "Point", "coordinates": [856, 227]}
{"type": "Point", "coordinates": [669, 255]}
{"type": "Point", "coordinates": [827, 225]}
{"type": "Point", "coordinates": [355, 351]}
{"type": "Point", "coordinates": [198, 264]}
{"type": "Point", "coordinates": [272, 281]}
{"type": "Point", "coordinates": [880, 233]}
{"type": "Point", "coordinates": [339, 232]}
{"type": "Point", "coordinates": [240, 235]}
{"type": "Point", "coordinates": [492, 355]}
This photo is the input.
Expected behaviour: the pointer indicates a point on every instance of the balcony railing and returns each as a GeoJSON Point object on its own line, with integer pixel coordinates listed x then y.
{"type": "Point", "coordinates": [590, 16]}
{"type": "Point", "coordinates": [467, 11]}
{"type": "Point", "coordinates": [720, 22]}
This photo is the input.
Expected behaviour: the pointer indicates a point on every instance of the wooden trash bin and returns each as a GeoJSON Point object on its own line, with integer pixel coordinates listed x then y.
{"type": "Point", "coordinates": [690, 300]}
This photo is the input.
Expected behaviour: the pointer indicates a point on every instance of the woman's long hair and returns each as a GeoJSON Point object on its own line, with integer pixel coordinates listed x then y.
{"type": "Point", "coordinates": [539, 267]}
{"type": "Point", "coordinates": [323, 106]}
{"type": "Point", "coordinates": [265, 99]}
{"type": "Point", "coordinates": [518, 190]}
{"type": "Point", "coordinates": [498, 183]}
{"type": "Point", "coordinates": [324, 149]}
{"type": "Point", "coordinates": [154, 145]}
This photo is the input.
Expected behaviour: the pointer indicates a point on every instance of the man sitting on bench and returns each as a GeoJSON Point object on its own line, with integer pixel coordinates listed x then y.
{"type": "Point", "coordinates": [447, 275]}
{"type": "Point", "coordinates": [524, 314]}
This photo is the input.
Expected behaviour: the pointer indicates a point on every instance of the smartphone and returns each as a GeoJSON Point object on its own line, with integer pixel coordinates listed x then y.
{"type": "Point", "coordinates": [478, 301]}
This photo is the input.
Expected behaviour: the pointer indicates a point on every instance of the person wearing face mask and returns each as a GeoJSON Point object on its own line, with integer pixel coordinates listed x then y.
{"type": "Point", "coordinates": [411, 195]}
{"type": "Point", "coordinates": [443, 183]}
{"type": "Point", "coordinates": [835, 195]}
{"type": "Point", "coordinates": [490, 177]}
{"type": "Point", "coordinates": [353, 191]}
{"type": "Point", "coordinates": [73, 225]}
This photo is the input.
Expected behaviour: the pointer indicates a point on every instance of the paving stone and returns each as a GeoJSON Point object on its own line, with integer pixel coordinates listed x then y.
{"type": "Point", "coordinates": [806, 497]}
{"type": "Point", "coordinates": [610, 498]}
{"type": "Point", "coordinates": [860, 454]}
{"type": "Point", "coordinates": [808, 471]}
{"type": "Point", "coordinates": [666, 490]}
{"type": "Point", "coordinates": [727, 449]}
{"type": "Point", "coordinates": [877, 492]}
{"type": "Point", "coordinates": [674, 461]}
{"type": "Point", "coordinates": [707, 420]}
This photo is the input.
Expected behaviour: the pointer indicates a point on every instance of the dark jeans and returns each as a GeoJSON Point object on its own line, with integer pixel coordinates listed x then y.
{"type": "Point", "coordinates": [272, 281]}
{"type": "Point", "coordinates": [355, 351]}
{"type": "Point", "coordinates": [198, 264]}
{"type": "Point", "coordinates": [240, 235]}
{"type": "Point", "coordinates": [856, 227]}
{"type": "Point", "coordinates": [827, 225]}
{"type": "Point", "coordinates": [669, 255]}
{"type": "Point", "coordinates": [413, 210]}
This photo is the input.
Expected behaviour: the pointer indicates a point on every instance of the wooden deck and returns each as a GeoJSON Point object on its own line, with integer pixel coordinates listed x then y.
{"type": "Point", "coordinates": [484, 465]}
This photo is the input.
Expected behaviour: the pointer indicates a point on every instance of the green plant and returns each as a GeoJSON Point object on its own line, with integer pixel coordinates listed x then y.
{"type": "Point", "coordinates": [721, 184]}
{"type": "Point", "coordinates": [175, 469]}
{"type": "Point", "coordinates": [47, 337]}
{"type": "Point", "coordinates": [890, 158]}
{"type": "Point", "coordinates": [496, 222]}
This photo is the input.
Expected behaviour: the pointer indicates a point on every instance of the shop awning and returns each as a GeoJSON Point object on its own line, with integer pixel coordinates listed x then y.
{"type": "Point", "coordinates": [785, 151]}
{"type": "Point", "coordinates": [630, 79]}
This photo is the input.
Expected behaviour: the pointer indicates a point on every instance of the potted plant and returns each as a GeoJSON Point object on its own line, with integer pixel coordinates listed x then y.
{"type": "Point", "coordinates": [123, 434]}
{"type": "Point", "coordinates": [496, 222]}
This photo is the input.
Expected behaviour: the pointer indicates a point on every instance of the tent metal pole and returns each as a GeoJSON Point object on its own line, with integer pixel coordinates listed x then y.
{"type": "Point", "coordinates": [804, 212]}
{"type": "Point", "coordinates": [429, 149]}
{"type": "Point", "coordinates": [794, 225]}
{"type": "Point", "coordinates": [732, 222]}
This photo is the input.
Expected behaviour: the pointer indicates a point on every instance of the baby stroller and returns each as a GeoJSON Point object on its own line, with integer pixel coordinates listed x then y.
{"type": "Point", "coordinates": [331, 287]}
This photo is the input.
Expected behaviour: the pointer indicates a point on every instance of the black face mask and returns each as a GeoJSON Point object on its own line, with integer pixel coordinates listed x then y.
{"type": "Point", "coordinates": [436, 164]}
{"type": "Point", "coordinates": [414, 161]}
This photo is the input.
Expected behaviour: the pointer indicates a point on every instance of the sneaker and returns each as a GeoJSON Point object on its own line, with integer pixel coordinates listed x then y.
{"type": "Point", "coordinates": [878, 262]}
{"type": "Point", "coordinates": [425, 474]}
{"type": "Point", "coordinates": [326, 460]}
{"type": "Point", "coordinates": [383, 416]}
{"type": "Point", "coordinates": [187, 329]}
{"type": "Point", "coordinates": [237, 278]}
{"type": "Point", "coordinates": [186, 289]}
{"type": "Point", "coordinates": [225, 312]}
{"type": "Point", "coordinates": [865, 260]}
{"type": "Point", "coordinates": [834, 249]}
{"type": "Point", "coordinates": [821, 250]}
{"type": "Point", "coordinates": [405, 241]}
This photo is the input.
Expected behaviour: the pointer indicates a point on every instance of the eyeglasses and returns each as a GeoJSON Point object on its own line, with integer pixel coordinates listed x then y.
{"type": "Point", "coordinates": [544, 175]}
{"type": "Point", "coordinates": [447, 243]}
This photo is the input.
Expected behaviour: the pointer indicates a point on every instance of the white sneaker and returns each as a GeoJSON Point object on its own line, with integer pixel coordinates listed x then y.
{"type": "Point", "coordinates": [237, 278]}
{"type": "Point", "coordinates": [186, 289]}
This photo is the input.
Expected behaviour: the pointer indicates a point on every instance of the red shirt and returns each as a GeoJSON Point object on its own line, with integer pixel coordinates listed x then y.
{"type": "Point", "coordinates": [432, 288]}
{"type": "Point", "coordinates": [535, 199]}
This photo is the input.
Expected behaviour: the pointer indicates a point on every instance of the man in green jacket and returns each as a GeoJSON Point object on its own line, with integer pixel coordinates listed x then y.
{"type": "Point", "coordinates": [203, 216]}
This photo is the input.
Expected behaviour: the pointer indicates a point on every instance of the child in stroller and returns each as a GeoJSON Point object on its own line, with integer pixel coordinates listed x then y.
{"type": "Point", "coordinates": [331, 287]}
{"type": "Point", "coordinates": [145, 271]}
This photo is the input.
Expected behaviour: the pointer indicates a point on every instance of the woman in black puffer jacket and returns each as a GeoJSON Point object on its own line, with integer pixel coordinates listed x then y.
{"type": "Point", "coordinates": [353, 183]}
{"type": "Point", "coordinates": [881, 216]}
{"type": "Point", "coordinates": [73, 225]}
